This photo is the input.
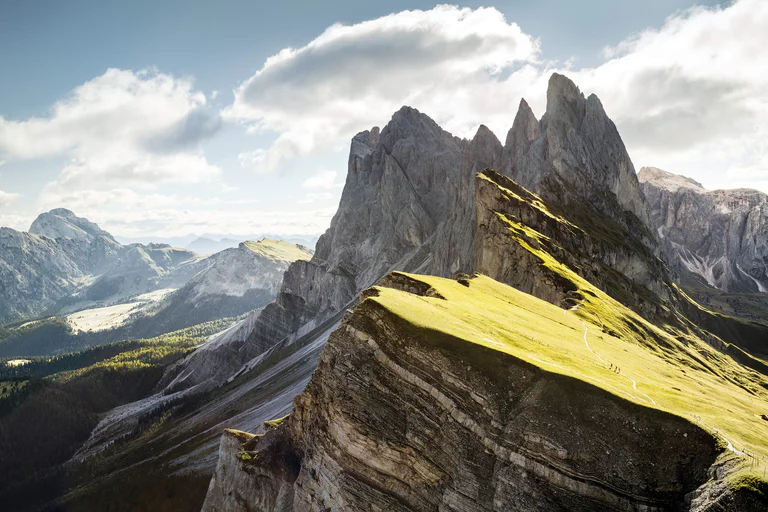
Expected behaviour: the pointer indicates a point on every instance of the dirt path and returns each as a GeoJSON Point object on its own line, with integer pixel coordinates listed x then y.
{"type": "Point", "coordinates": [586, 342]}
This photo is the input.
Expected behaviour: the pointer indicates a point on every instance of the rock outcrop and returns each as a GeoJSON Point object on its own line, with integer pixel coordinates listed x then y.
{"type": "Point", "coordinates": [718, 235]}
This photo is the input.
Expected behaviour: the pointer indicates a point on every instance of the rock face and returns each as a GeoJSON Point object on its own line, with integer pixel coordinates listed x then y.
{"type": "Point", "coordinates": [400, 421]}
{"type": "Point", "coordinates": [574, 156]}
{"type": "Point", "coordinates": [408, 204]}
{"type": "Point", "coordinates": [600, 249]}
{"type": "Point", "coordinates": [35, 271]}
{"type": "Point", "coordinates": [719, 235]}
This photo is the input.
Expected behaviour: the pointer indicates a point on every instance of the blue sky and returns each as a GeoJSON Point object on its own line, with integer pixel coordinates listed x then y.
{"type": "Point", "coordinates": [165, 118]}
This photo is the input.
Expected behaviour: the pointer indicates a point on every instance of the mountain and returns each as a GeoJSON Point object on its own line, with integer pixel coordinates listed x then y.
{"type": "Point", "coordinates": [62, 223]}
{"type": "Point", "coordinates": [204, 245]}
{"type": "Point", "coordinates": [235, 281]}
{"type": "Point", "coordinates": [66, 263]}
{"type": "Point", "coordinates": [719, 235]}
{"type": "Point", "coordinates": [407, 204]}
{"type": "Point", "coordinates": [574, 375]}
{"type": "Point", "coordinates": [413, 405]}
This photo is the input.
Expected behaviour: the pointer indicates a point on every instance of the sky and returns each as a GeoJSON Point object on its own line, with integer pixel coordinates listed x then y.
{"type": "Point", "coordinates": [161, 119]}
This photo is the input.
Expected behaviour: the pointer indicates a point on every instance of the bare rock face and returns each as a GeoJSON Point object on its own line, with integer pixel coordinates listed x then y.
{"type": "Point", "coordinates": [34, 272]}
{"type": "Point", "coordinates": [719, 235]}
{"type": "Point", "coordinates": [575, 156]}
{"type": "Point", "coordinates": [406, 205]}
{"type": "Point", "coordinates": [601, 250]}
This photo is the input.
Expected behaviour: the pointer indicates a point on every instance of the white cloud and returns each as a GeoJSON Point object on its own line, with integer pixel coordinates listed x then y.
{"type": "Point", "coordinates": [351, 77]}
{"type": "Point", "coordinates": [6, 198]}
{"type": "Point", "coordinates": [253, 160]}
{"type": "Point", "coordinates": [180, 221]}
{"type": "Point", "coordinates": [15, 221]}
{"type": "Point", "coordinates": [322, 179]}
{"type": "Point", "coordinates": [690, 96]}
{"type": "Point", "coordinates": [314, 196]}
{"type": "Point", "coordinates": [139, 127]}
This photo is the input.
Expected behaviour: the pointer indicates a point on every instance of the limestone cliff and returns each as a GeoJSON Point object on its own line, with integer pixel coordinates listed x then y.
{"type": "Point", "coordinates": [718, 235]}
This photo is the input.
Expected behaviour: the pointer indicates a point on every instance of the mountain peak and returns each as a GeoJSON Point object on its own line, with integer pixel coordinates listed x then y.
{"type": "Point", "coordinates": [63, 212]}
{"type": "Point", "coordinates": [525, 129]}
{"type": "Point", "coordinates": [565, 102]}
{"type": "Point", "coordinates": [667, 180]}
{"type": "Point", "coordinates": [484, 134]}
{"type": "Point", "coordinates": [412, 119]}
{"type": "Point", "coordinates": [61, 222]}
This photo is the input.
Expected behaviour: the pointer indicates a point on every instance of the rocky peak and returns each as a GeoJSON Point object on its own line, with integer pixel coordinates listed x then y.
{"type": "Point", "coordinates": [565, 102]}
{"type": "Point", "coordinates": [409, 124]}
{"type": "Point", "coordinates": [362, 145]}
{"type": "Point", "coordinates": [577, 158]}
{"type": "Point", "coordinates": [525, 130]}
{"type": "Point", "coordinates": [61, 222]}
{"type": "Point", "coordinates": [484, 148]}
{"type": "Point", "coordinates": [668, 181]}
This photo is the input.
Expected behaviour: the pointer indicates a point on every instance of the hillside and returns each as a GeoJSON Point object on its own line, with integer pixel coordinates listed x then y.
{"type": "Point", "coordinates": [236, 281]}
{"type": "Point", "coordinates": [56, 402]}
{"type": "Point", "coordinates": [594, 417]}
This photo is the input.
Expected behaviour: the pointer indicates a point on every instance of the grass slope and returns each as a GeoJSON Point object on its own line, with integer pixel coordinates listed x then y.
{"type": "Point", "coordinates": [670, 371]}
{"type": "Point", "coordinates": [279, 250]}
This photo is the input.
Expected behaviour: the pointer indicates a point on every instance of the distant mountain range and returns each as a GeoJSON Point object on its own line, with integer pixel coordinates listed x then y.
{"type": "Point", "coordinates": [66, 263]}
{"type": "Point", "coordinates": [210, 243]}
{"type": "Point", "coordinates": [721, 236]}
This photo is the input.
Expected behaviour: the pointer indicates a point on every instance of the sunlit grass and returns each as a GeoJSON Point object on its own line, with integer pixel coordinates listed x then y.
{"type": "Point", "coordinates": [279, 250]}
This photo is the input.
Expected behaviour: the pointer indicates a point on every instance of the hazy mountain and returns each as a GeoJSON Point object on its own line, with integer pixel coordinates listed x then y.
{"type": "Point", "coordinates": [66, 262]}
{"type": "Point", "coordinates": [235, 281]}
{"type": "Point", "coordinates": [204, 245]}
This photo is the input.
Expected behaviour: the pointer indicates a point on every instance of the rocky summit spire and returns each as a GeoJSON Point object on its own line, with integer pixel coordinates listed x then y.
{"type": "Point", "coordinates": [577, 156]}
{"type": "Point", "coordinates": [525, 130]}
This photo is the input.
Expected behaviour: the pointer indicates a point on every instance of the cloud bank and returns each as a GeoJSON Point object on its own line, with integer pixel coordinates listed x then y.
{"type": "Point", "coordinates": [121, 128]}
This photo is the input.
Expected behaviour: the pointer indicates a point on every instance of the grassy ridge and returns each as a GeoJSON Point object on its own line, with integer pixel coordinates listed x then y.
{"type": "Point", "coordinates": [671, 371]}
{"type": "Point", "coordinates": [279, 250]}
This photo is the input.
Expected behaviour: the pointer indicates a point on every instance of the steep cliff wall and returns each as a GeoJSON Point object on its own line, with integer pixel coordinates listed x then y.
{"type": "Point", "coordinates": [719, 235]}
